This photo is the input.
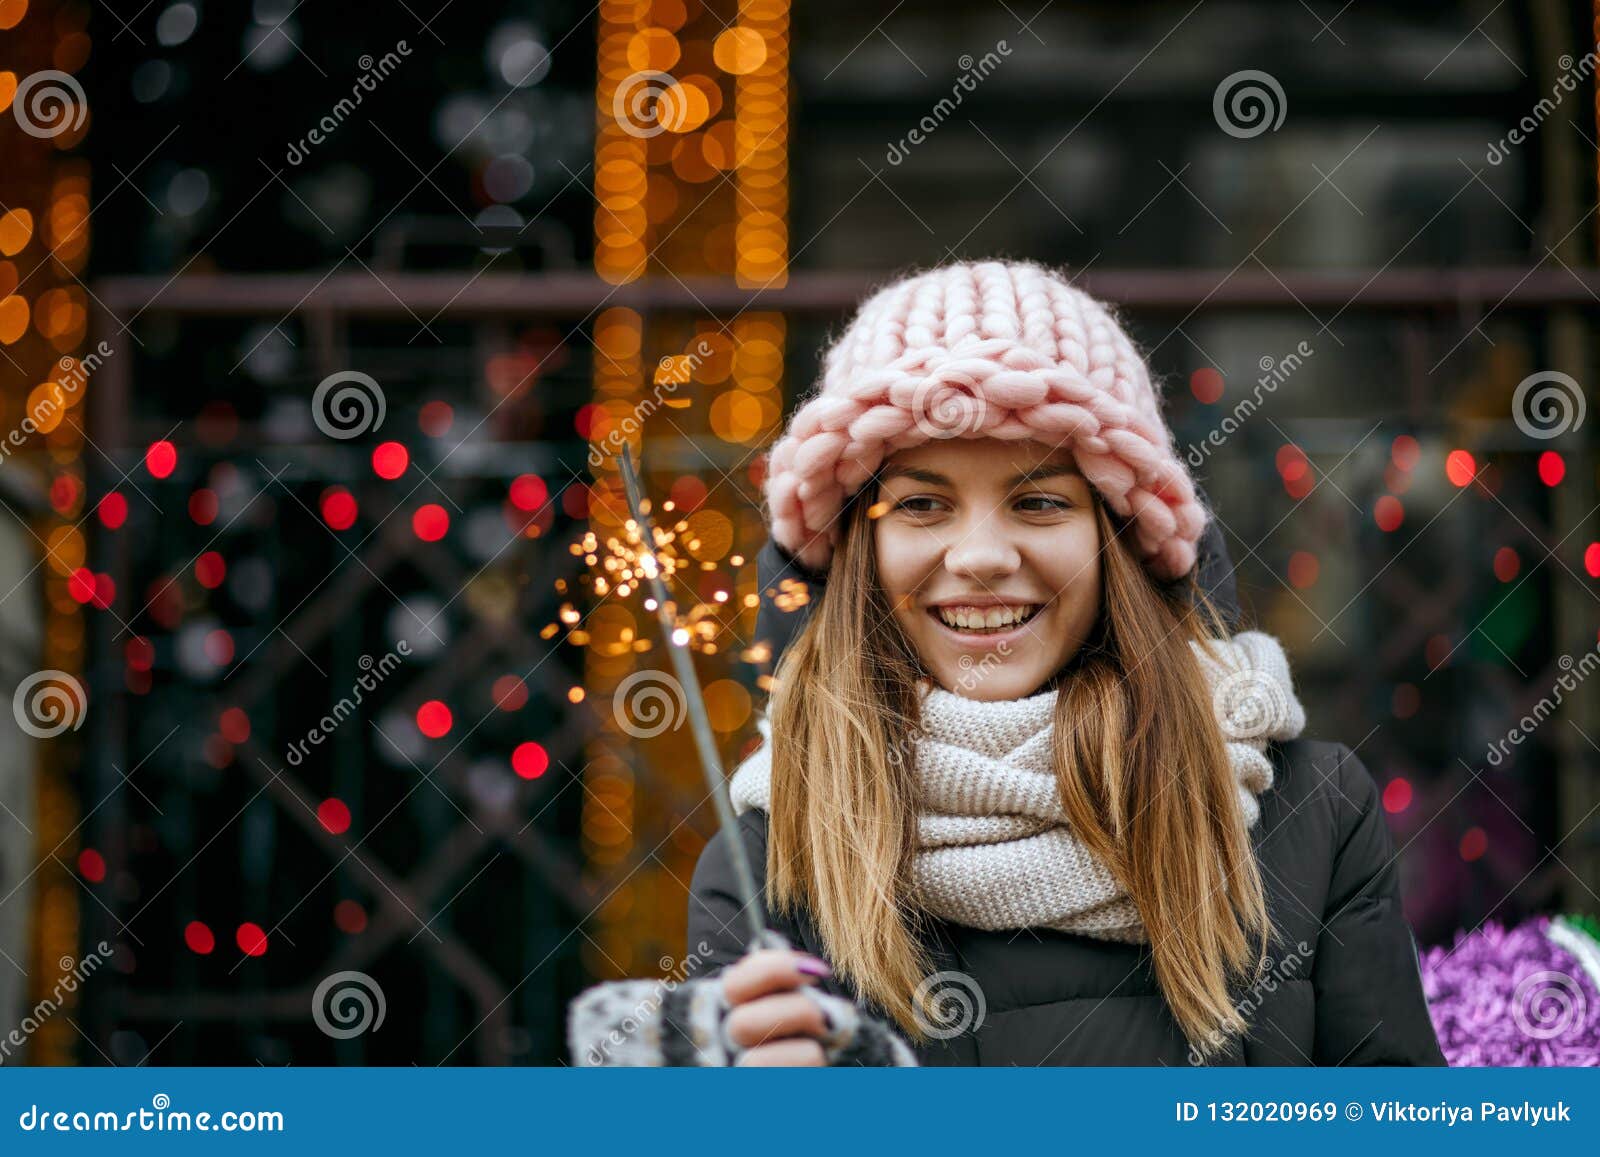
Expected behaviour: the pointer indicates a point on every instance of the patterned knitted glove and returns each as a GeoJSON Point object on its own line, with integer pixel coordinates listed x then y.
{"type": "Point", "coordinates": [661, 1023]}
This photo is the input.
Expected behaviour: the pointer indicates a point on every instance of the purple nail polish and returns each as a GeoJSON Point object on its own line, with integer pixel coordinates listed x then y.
{"type": "Point", "coordinates": [811, 966]}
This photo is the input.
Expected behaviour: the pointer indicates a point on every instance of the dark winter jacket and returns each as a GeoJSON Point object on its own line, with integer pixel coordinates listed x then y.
{"type": "Point", "coordinates": [1344, 986]}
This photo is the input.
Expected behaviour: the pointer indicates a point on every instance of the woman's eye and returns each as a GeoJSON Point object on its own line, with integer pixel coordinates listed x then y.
{"type": "Point", "coordinates": [1043, 503]}
{"type": "Point", "coordinates": [918, 504]}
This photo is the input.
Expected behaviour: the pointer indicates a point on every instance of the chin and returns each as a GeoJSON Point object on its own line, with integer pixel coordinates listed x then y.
{"type": "Point", "coordinates": [988, 692]}
{"type": "Point", "coordinates": [990, 683]}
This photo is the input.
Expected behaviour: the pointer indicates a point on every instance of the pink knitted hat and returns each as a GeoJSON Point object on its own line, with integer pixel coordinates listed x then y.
{"type": "Point", "coordinates": [996, 349]}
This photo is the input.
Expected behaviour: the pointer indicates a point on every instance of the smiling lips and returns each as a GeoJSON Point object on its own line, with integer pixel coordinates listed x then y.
{"type": "Point", "coordinates": [984, 620]}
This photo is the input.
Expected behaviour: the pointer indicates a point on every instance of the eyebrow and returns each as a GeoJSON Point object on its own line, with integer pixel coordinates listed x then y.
{"type": "Point", "coordinates": [934, 478]}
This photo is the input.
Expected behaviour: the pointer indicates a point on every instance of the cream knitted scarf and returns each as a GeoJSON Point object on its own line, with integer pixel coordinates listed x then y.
{"type": "Point", "coordinates": [994, 848]}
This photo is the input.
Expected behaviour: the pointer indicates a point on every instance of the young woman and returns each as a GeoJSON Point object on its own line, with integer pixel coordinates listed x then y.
{"type": "Point", "coordinates": [1022, 793]}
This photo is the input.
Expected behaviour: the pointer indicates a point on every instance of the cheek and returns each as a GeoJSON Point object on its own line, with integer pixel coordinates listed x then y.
{"type": "Point", "coordinates": [1072, 564]}
{"type": "Point", "coordinates": [900, 559]}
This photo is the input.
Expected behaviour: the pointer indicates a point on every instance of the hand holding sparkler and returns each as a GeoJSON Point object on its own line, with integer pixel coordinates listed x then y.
{"type": "Point", "coordinates": [765, 1009]}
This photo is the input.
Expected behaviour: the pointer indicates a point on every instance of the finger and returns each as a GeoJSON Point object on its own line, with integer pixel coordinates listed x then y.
{"type": "Point", "coordinates": [770, 970]}
{"type": "Point", "coordinates": [789, 1014]}
{"type": "Point", "coordinates": [795, 1051]}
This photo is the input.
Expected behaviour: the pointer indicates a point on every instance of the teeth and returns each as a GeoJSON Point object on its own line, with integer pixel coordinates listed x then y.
{"type": "Point", "coordinates": [989, 618]}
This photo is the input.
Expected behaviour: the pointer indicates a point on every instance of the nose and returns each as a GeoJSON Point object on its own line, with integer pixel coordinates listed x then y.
{"type": "Point", "coordinates": [981, 554]}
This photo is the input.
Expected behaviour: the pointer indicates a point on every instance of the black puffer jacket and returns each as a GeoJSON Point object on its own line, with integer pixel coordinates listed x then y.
{"type": "Point", "coordinates": [1344, 988]}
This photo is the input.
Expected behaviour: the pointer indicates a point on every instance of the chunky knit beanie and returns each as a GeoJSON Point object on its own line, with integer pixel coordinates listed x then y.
{"type": "Point", "coordinates": [996, 349]}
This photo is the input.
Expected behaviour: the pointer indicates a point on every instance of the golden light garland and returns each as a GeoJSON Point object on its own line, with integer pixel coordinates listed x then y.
{"type": "Point", "coordinates": [44, 245]}
{"type": "Point", "coordinates": [691, 180]}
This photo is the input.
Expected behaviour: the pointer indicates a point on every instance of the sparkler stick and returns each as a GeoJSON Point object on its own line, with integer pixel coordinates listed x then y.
{"type": "Point", "coordinates": [699, 720]}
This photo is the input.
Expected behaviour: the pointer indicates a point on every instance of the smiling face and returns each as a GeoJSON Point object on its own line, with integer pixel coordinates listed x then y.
{"type": "Point", "coordinates": [989, 553]}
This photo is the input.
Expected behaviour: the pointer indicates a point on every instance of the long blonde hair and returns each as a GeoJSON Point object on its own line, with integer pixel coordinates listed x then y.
{"type": "Point", "coordinates": [1140, 762]}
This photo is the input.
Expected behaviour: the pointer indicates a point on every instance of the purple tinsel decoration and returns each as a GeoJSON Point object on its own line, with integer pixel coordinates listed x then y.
{"type": "Point", "coordinates": [1512, 997]}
